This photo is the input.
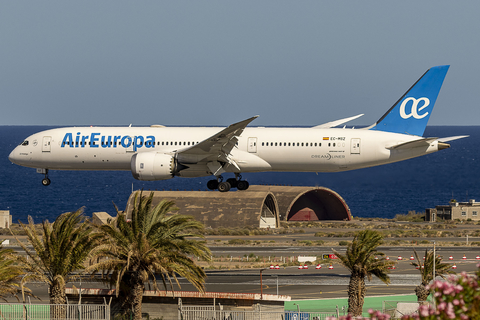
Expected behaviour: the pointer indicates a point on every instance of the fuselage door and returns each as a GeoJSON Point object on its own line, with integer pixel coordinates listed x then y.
{"type": "Point", "coordinates": [46, 146]}
{"type": "Point", "coordinates": [252, 145]}
{"type": "Point", "coordinates": [130, 146]}
{"type": "Point", "coordinates": [355, 146]}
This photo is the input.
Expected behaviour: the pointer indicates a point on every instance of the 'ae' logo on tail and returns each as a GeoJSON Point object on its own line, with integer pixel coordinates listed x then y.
{"type": "Point", "coordinates": [415, 109]}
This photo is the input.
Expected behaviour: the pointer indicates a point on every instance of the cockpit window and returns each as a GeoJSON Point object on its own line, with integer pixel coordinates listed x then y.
{"type": "Point", "coordinates": [25, 143]}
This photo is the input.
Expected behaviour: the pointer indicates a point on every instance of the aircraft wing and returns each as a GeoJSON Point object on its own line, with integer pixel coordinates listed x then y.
{"type": "Point", "coordinates": [335, 123]}
{"type": "Point", "coordinates": [216, 147]}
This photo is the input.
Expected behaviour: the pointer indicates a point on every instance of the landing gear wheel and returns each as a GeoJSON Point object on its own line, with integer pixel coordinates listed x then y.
{"type": "Point", "coordinates": [233, 182]}
{"type": "Point", "coordinates": [45, 181]}
{"type": "Point", "coordinates": [242, 185]}
{"type": "Point", "coordinates": [224, 186]}
{"type": "Point", "coordinates": [212, 184]}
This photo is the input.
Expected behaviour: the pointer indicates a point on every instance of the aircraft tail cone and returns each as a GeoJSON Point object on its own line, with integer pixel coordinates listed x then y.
{"type": "Point", "coordinates": [443, 145]}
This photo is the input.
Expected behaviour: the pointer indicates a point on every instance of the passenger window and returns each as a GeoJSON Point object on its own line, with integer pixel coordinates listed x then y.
{"type": "Point", "coordinates": [315, 144]}
{"type": "Point", "coordinates": [302, 144]}
{"type": "Point", "coordinates": [298, 144]}
{"type": "Point", "coordinates": [275, 144]}
{"type": "Point", "coordinates": [289, 144]}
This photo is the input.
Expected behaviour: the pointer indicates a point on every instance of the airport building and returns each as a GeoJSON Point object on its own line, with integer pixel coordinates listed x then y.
{"type": "Point", "coordinates": [454, 211]}
{"type": "Point", "coordinates": [5, 219]}
{"type": "Point", "coordinates": [259, 206]}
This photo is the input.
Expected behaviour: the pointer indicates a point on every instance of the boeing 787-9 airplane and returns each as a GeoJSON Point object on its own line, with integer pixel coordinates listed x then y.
{"type": "Point", "coordinates": [159, 152]}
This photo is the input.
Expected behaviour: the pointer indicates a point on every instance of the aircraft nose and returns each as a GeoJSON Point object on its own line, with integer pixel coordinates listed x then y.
{"type": "Point", "coordinates": [13, 156]}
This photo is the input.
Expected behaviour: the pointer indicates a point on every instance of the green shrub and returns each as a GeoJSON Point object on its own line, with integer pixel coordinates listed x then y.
{"type": "Point", "coordinates": [306, 242]}
{"type": "Point", "coordinates": [412, 216]}
{"type": "Point", "coordinates": [238, 241]}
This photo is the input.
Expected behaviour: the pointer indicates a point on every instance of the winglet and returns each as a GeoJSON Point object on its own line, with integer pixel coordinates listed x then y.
{"type": "Point", "coordinates": [410, 114]}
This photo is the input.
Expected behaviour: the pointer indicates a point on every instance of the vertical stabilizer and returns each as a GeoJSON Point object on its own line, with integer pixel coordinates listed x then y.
{"type": "Point", "coordinates": [410, 114]}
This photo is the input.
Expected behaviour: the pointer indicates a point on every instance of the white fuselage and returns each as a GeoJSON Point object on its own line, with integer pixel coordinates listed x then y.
{"type": "Point", "coordinates": [258, 149]}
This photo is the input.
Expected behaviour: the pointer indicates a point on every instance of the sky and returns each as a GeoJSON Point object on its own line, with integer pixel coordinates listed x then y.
{"type": "Point", "coordinates": [293, 63]}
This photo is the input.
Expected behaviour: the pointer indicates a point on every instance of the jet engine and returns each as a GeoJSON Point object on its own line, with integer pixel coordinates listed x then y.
{"type": "Point", "coordinates": [149, 166]}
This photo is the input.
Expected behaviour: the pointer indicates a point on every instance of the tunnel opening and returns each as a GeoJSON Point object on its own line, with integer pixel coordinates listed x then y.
{"type": "Point", "coordinates": [269, 215]}
{"type": "Point", "coordinates": [318, 204]}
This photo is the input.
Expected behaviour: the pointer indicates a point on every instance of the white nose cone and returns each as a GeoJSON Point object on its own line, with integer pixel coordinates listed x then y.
{"type": "Point", "coordinates": [13, 156]}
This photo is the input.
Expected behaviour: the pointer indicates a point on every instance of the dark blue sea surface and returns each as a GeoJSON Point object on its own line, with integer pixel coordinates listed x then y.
{"type": "Point", "coordinates": [382, 191]}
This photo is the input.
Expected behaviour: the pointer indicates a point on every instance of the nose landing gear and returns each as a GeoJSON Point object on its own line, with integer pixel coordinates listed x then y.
{"type": "Point", "coordinates": [45, 181]}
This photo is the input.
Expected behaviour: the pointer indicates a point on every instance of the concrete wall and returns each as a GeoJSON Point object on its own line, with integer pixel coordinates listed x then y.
{"type": "Point", "coordinates": [216, 209]}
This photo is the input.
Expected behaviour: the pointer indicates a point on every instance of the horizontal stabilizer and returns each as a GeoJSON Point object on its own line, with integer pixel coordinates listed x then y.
{"type": "Point", "coordinates": [413, 144]}
{"type": "Point", "coordinates": [335, 123]}
{"type": "Point", "coordinates": [451, 138]}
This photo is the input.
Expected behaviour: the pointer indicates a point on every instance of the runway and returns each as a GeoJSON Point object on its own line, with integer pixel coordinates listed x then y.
{"type": "Point", "coordinates": [308, 283]}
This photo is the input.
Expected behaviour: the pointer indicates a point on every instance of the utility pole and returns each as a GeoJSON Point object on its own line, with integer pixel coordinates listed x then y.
{"type": "Point", "coordinates": [261, 284]}
{"type": "Point", "coordinates": [434, 259]}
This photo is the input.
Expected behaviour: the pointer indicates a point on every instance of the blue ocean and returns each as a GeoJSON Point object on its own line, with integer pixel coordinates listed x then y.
{"type": "Point", "coordinates": [382, 191]}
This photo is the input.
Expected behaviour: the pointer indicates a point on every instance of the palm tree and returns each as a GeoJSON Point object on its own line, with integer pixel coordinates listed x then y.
{"type": "Point", "coordinates": [426, 271]}
{"type": "Point", "coordinates": [154, 242]}
{"type": "Point", "coordinates": [10, 275]}
{"type": "Point", "coordinates": [360, 259]}
{"type": "Point", "coordinates": [61, 249]}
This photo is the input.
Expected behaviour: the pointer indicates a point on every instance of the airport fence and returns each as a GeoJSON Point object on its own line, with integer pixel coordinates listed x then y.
{"type": "Point", "coordinates": [17, 311]}
{"type": "Point", "coordinates": [208, 313]}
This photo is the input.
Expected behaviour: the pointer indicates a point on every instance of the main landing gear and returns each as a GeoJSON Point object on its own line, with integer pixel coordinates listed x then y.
{"type": "Point", "coordinates": [45, 181]}
{"type": "Point", "coordinates": [224, 186]}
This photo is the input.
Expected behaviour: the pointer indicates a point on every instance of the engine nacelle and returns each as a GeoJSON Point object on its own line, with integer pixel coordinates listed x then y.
{"type": "Point", "coordinates": [149, 166]}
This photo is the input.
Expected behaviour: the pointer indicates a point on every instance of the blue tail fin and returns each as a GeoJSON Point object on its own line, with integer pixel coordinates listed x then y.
{"type": "Point", "coordinates": [410, 114]}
